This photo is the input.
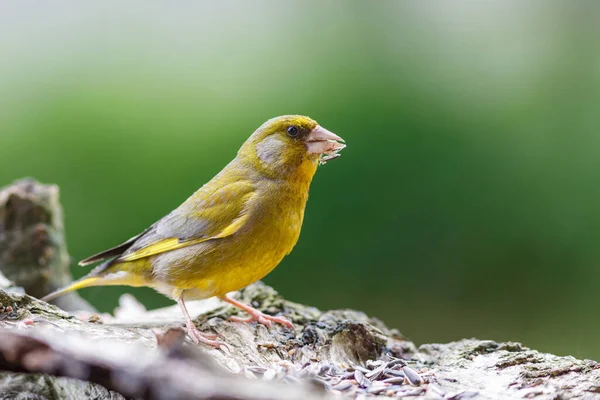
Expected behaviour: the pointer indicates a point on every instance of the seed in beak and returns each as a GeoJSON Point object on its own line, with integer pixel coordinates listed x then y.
{"type": "Point", "coordinates": [322, 141]}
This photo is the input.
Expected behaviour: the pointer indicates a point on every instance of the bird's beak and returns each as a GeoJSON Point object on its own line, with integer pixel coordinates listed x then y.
{"type": "Point", "coordinates": [322, 141]}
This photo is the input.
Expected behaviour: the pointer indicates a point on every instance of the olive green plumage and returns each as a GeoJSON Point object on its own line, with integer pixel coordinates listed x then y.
{"type": "Point", "coordinates": [235, 229]}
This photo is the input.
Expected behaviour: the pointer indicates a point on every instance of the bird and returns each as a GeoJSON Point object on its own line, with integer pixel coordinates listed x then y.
{"type": "Point", "coordinates": [231, 232]}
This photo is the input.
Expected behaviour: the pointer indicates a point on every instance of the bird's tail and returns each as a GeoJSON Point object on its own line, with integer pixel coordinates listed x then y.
{"type": "Point", "coordinates": [84, 282]}
{"type": "Point", "coordinates": [103, 279]}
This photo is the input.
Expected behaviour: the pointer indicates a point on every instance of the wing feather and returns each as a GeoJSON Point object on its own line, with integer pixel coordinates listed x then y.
{"type": "Point", "coordinates": [210, 213]}
{"type": "Point", "coordinates": [113, 251]}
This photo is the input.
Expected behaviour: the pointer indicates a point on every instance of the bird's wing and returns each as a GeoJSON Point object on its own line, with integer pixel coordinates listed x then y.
{"type": "Point", "coordinates": [113, 251]}
{"type": "Point", "coordinates": [210, 213]}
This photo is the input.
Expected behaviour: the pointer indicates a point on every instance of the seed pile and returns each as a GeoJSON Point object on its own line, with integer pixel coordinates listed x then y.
{"type": "Point", "coordinates": [388, 377]}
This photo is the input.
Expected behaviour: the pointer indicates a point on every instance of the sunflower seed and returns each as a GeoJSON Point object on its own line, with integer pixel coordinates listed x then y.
{"type": "Point", "coordinates": [374, 375]}
{"type": "Point", "coordinates": [347, 375]}
{"type": "Point", "coordinates": [395, 380]}
{"type": "Point", "coordinates": [412, 376]}
{"type": "Point", "coordinates": [359, 376]}
{"type": "Point", "coordinates": [395, 362]}
{"type": "Point", "coordinates": [324, 369]}
{"type": "Point", "coordinates": [361, 369]}
{"type": "Point", "coordinates": [393, 372]}
{"type": "Point", "coordinates": [376, 389]}
{"type": "Point", "coordinates": [372, 364]}
{"type": "Point", "coordinates": [343, 386]}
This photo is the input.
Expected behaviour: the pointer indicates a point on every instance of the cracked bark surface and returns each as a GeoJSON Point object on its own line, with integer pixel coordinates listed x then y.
{"type": "Point", "coordinates": [46, 353]}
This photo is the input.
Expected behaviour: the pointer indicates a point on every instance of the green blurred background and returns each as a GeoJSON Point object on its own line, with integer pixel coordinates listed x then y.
{"type": "Point", "coordinates": [466, 203]}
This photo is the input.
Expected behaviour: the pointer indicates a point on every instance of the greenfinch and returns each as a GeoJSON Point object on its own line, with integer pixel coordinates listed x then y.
{"type": "Point", "coordinates": [230, 233]}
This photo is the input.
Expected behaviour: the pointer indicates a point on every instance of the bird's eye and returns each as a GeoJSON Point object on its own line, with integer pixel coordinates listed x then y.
{"type": "Point", "coordinates": [292, 131]}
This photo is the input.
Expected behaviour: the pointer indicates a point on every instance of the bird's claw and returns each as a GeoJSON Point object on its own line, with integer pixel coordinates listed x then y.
{"type": "Point", "coordinates": [209, 336]}
{"type": "Point", "coordinates": [199, 337]}
{"type": "Point", "coordinates": [264, 319]}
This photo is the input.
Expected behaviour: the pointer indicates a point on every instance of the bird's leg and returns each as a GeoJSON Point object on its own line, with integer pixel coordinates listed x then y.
{"type": "Point", "coordinates": [193, 332]}
{"type": "Point", "coordinates": [255, 315]}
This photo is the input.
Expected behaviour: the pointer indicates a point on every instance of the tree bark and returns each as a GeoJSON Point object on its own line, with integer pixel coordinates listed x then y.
{"type": "Point", "coordinates": [47, 353]}
{"type": "Point", "coordinates": [33, 250]}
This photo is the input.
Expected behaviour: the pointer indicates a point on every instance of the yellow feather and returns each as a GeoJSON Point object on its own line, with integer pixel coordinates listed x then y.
{"type": "Point", "coordinates": [106, 280]}
{"type": "Point", "coordinates": [159, 247]}
{"type": "Point", "coordinates": [233, 227]}
{"type": "Point", "coordinates": [174, 243]}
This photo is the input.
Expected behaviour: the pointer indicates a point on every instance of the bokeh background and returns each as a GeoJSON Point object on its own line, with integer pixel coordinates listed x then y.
{"type": "Point", "coordinates": [466, 203]}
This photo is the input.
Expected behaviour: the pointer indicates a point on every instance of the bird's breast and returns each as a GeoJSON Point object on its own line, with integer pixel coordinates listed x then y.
{"type": "Point", "coordinates": [273, 231]}
{"type": "Point", "coordinates": [277, 220]}
{"type": "Point", "coordinates": [220, 266]}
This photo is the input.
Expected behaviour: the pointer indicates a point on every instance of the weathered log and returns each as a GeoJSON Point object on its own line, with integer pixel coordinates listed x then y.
{"type": "Point", "coordinates": [33, 250]}
{"type": "Point", "coordinates": [46, 353]}
{"type": "Point", "coordinates": [129, 359]}
{"type": "Point", "coordinates": [342, 352]}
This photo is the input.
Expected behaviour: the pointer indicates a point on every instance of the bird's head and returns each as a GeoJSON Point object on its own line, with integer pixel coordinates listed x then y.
{"type": "Point", "coordinates": [291, 144]}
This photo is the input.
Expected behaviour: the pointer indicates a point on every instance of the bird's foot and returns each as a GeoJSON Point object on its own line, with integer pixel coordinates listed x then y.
{"type": "Point", "coordinates": [206, 338]}
{"type": "Point", "coordinates": [209, 336]}
{"type": "Point", "coordinates": [193, 332]}
{"type": "Point", "coordinates": [256, 315]}
{"type": "Point", "coordinates": [264, 319]}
